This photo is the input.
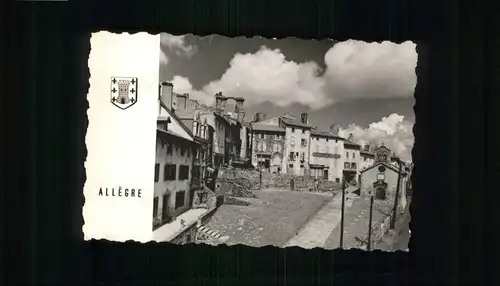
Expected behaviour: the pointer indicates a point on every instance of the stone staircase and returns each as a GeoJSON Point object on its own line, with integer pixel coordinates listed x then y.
{"type": "Point", "coordinates": [210, 236]}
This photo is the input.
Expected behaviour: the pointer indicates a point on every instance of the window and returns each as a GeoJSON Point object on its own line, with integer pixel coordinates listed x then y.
{"type": "Point", "coordinates": [353, 165]}
{"type": "Point", "coordinates": [347, 154]}
{"type": "Point", "coordinates": [183, 172]}
{"type": "Point", "coordinates": [195, 128]}
{"type": "Point", "coordinates": [290, 166]}
{"type": "Point", "coordinates": [293, 129]}
{"type": "Point", "coordinates": [303, 142]}
{"type": "Point", "coordinates": [262, 135]}
{"type": "Point", "coordinates": [302, 156]}
{"type": "Point", "coordinates": [336, 141]}
{"type": "Point", "coordinates": [354, 155]}
{"type": "Point", "coordinates": [157, 172]}
{"type": "Point", "coordinates": [155, 207]}
{"type": "Point", "coordinates": [303, 131]}
{"type": "Point", "coordinates": [183, 150]}
{"type": "Point", "coordinates": [179, 199]}
{"type": "Point", "coordinates": [169, 148]}
{"type": "Point", "coordinates": [291, 156]}
{"type": "Point", "coordinates": [326, 139]}
{"type": "Point", "coordinates": [169, 172]}
{"type": "Point", "coordinates": [346, 165]}
{"type": "Point", "coordinates": [364, 159]}
{"type": "Point", "coordinates": [337, 180]}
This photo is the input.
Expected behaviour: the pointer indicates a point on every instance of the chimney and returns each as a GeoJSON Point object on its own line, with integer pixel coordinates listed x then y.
{"type": "Point", "coordinates": [167, 94]}
{"type": "Point", "coordinates": [182, 101]}
{"type": "Point", "coordinates": [303, 118]}
{"type": "Point", "coordinates": [351, 137]}
{"type": "Point", "coordinates": [260, 116]}
{"type": "Point", "coordinates": [220, 102]}
{"type": "Point", "coordinates": [238, 108]}
{"type": "Point", "coordinates": [334, 129]}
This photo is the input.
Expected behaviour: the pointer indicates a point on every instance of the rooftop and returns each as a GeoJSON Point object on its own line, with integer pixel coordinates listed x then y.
{"type": "Point", "coordinates": [325, 134]}
{"type": "Point", "coordinates": [185, 113]}
{"type": "Point", "coordinates": [294, 122]}
{"type": "Point", "coordinates": [364, 152]}
{"type": "Point", "coordinates": [168, 132]}
{"type": "Point", "coordinates": [350, 143]}
{"type": "Point", "coordinates": [266, 127]}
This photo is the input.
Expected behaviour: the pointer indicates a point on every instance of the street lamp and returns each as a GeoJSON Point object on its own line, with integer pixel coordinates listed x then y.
{"type": "Point", "coordinates": [369, 242]}
{"type": "Point", "coordinates": [342, 212]}
{"type": "Point", "coordinates": [396, 197]}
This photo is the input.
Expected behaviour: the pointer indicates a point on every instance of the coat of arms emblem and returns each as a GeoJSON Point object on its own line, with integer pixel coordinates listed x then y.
{"type": "Point", "coordinates": [123, 91]}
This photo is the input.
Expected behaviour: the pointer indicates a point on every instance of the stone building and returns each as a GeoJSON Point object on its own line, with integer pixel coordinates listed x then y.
{"type": "Point", "coordinates": [175, 153]}
{"type": "Point", "coordinates": [197, 122]}
{"type": "Point", "coordinates": [367, 157]}
{"type": "Point", "coordinates": [381, 179]}
{"type": "Point", "coordinates": [297, 136]}
{"type": "Point", "coordinates": [228, 130]}
{"type": "Point", "coordinates": [352, 160]}
{"type": "Point", "coordinates": [326, 161]}
{"type": "Point", "coordinates": [267, 143]}
{"type": "Point", "coordinates": [296, 141]}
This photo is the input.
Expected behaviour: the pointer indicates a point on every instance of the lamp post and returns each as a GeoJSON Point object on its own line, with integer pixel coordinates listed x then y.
{"type": "Point", "coordinates": [396, 197]}
{"type": "Point", "coordinates": [369, 242]}
{"type": "Point", "coordinates": [342, 212]}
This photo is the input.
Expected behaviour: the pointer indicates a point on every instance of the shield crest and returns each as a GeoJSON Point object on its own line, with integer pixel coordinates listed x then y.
{"type": "Point", "coordinates": [123, 91]}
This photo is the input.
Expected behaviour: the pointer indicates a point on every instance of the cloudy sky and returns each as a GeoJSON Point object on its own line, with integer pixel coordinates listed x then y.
{"type": "Point", "coordinates": [367, 88]}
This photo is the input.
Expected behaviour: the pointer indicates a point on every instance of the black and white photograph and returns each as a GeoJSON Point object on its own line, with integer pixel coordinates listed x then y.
{"type": "Point", "coordinates": [284, 142]}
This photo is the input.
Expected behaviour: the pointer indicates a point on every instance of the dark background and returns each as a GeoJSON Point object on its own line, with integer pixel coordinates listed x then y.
{"type": "Point", "coordinates": [455, 178]}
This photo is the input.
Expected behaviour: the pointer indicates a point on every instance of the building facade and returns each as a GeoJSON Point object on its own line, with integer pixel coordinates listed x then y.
{"type": "Point", "coordinates": [326, 160]}
{"type": "Point", "coordinates": [267, 143]}
{"type": "Point", "coordinates": [297, 144]}
{"type": "Point", "coordinates": [352, 160]}
{"type": "Point", "coordinates": [382, 178]}
{"type": "Point", "coordinates": [367, 157]}
{"type": "Point", "coordinates": [176, 150]}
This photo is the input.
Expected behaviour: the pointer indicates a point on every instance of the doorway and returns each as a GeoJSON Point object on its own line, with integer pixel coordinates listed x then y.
{"type": "Point", "coordinates": [267, 163]}
{"type": "Point", "coordinates": [380, 194]}
{"type": "Point", "coordinates": [165, 217]}
{"type": "Point", "coordinates": [325, 174]}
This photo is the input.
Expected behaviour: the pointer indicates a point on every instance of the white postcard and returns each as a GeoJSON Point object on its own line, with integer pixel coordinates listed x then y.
{"type": "Point", "coordinates": [249, 141]}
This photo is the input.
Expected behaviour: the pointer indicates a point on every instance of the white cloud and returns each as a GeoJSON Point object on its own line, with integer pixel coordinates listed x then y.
{"type": "Point", "coordinates": [354, 69]}
{"type": "Point", "coordinates": [178, 44]}
{"type": "Point", "coordinates": [395, 132]}
{"type": "Point", "coordinates": [357, 69]}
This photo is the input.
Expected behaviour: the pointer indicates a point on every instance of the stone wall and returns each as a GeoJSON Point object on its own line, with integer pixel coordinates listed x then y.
{"type": "Point", "coordinates": [190, 234]}
{"type": "Point", "coordinates": [237, 182]}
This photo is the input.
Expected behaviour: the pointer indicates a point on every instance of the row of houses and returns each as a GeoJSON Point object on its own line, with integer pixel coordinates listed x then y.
{"type": "Point", "coordinates": [285, 144]}
{"type": "Point", "coordinates": [194, 139]}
